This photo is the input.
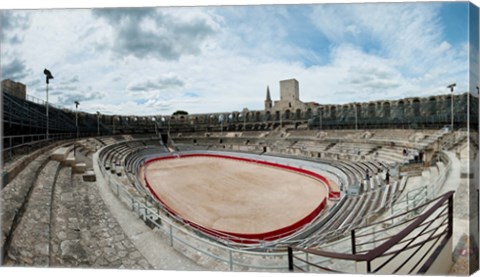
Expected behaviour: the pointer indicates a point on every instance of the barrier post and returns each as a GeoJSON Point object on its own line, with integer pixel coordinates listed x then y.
{"type": "Point", "coordinates": [450, 216]}
{"type": "Point", "coordinates": [290, 259]}
{"type": "Point", "coordinates": [354, 249]}
{"type": "Point", "coordinates": [230, 257]}
{"type": "Point", "coordinates": [307, 264]}
{"type": "Point", "coordinates": [11, 148]}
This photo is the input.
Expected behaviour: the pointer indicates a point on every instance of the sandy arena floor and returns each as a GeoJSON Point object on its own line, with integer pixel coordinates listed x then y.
{"type": "Point", "coordinates": [234, 196]}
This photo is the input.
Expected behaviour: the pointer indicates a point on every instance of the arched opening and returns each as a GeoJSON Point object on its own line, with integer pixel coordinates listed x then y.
{"type": "Point", "coordinates": [309, 113]}
{"type": "Point", "coordinates": [298, 114]}
{"type": "Point", "coordinates": [432, 106]}
{"type": "Point", "coordinates": [416, 107]}
{"type": "Point", "coordinates": [401, 109]}
{"type": "Point", "coordinates": [371, 110]}
{"type": "Point", "coordinates": [386, 110]}
{"type": "Point", "coordinates": [333, 112]}
{"type": "Point", "coordinates": [287, 114]}
{"type": "Point", "coordinates": [345, 111]}
{"type": "Point", "coordinates": [447, 102]}
{"type": "Point", "coordinates": [358, 110]}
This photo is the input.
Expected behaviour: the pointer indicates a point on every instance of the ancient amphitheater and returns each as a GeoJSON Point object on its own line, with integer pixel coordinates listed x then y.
{"type": "Point", "coordinates": [379, 187]}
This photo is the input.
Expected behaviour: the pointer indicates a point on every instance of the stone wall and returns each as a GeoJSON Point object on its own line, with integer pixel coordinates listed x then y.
{"type": "Point", "coordinates": [428, 112]}
{"type": "Point", "coordinates": [16, 89]}
{"type": "Point", "coordinates": [415, 112]}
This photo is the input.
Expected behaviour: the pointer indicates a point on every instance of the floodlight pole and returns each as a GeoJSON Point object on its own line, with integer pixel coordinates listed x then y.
{"type": "Point", "coordinates": [47, 111]}
{"type": "Point", "coordinates": [76, 125]}
{"type": "Point", "coordinates": [245, 122]}
{"type": "Point", "coordinates": [162, 122]}
{"type": "Point", "coordinates": [320, 119]}
{"type": "Point", "coordinates": [48, 76]}
{"type": "Point", "coordinates": [98, 123]}
{"type": "Point", "coordinates": [451, 87]}
{"type": "Point", "coordinates": [169, 118]}
{"type": "Point", "coordinates": [356, 120]}
{"type": "Point", "coordinates": [221, 124]}
{"type": "Point", "coordinates": [76, 116]}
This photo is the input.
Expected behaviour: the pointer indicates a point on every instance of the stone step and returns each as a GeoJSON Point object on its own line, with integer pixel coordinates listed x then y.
{"type": "Point", "coordinates": [30, 244]}
{"type": "Point", "coordinates": [89, 176]}
{"type": "Point", "coordinates": [70, 160]}
{"type": "Point", "coordinates": [60, 154]}
{"type": "Point", "coordinates": [79, 168]}
{"type": "Point", "coordinates": [14, 196]}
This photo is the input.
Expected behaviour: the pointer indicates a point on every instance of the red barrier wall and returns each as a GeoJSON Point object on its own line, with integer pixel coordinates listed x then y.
{"type": "Point", "coordinates": [250, 238]}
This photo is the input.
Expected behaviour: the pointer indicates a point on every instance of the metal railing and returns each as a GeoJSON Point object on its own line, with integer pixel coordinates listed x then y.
{"type": "Point", "coordinates": [13, 144]}
{"type": "Point", "coordinates": [422, 194]}
{"type": "Point", "coordinates": [186, 236]}
{"type": "Point", "coordinates": [423, 238]}
{"type": "Point", "coordinates": [177, 231]}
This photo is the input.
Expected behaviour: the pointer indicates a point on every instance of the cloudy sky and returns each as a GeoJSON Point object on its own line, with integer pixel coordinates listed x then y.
{"type": "Point", "coordinates": [148, 61]}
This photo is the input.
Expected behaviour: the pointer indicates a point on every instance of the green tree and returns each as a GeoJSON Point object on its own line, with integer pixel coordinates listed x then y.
{"type": "Point", "coordinates": [180, 112]}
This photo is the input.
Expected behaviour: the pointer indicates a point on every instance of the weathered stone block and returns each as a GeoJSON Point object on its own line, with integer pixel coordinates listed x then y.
{"type": "Point", "coordinates": [89, 176]}
{"type": "Point", "coordinates": [60, 154]}
{"type": "Point", "coordinates": [80, 168]}
{"type": "Point", "coordinates": [70, 160]}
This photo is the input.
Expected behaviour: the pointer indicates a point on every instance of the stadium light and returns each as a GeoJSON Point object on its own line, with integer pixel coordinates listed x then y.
{"type": "Point", "coordinates": [451, 87]}
{"type": "Point", "coordinates": [220, 118]}
{"type": "Point", "coordinates": [168, 122]}
{"type": "Point", "coordinates": [320, 118]}
{"type": "Point", "coordinates": [162, 121]}
{"type": "Point", "coordinates": [356, 119]}
{"type": "Point", "coordinates": [76, 115]}
{"type": "Point", "coordinates": [244, 121]}
{"type": "Point", "coordinates": [98, 123]}
{"type": "Point", "coordinates": [48, 76]}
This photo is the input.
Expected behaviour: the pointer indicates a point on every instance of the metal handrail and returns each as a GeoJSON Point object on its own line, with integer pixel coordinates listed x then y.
{"type": "Point", "coordinates": [143, 211]}
{"type": "Point", "coordinates": [392, 241]}
{"type": "Point", "coordinates": [141, 205]}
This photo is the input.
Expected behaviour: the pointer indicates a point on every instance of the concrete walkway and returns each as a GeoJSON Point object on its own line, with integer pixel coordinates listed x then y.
{"type": "Point", "coordinates": [151, 244]}
{"type": "Point", "coordinates": [461, 214]}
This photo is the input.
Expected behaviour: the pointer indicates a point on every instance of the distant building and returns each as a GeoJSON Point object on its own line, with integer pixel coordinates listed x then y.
{"type": "Point", "coordinates": [268, 101]}
{"type": "Point", "coordinates": [14, 88]}
{"type": "Point", "coordinates": [289, 98]}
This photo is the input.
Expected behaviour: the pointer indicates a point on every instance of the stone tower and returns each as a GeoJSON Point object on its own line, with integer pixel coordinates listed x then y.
{"type": "Point", "coordinates": [289, 90]}
{"type": "Point", "coordinates": [268, 101]}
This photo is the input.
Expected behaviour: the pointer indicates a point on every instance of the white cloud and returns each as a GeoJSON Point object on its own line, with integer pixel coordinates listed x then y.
{"type": "Point", "coordinates": [250, 49]}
